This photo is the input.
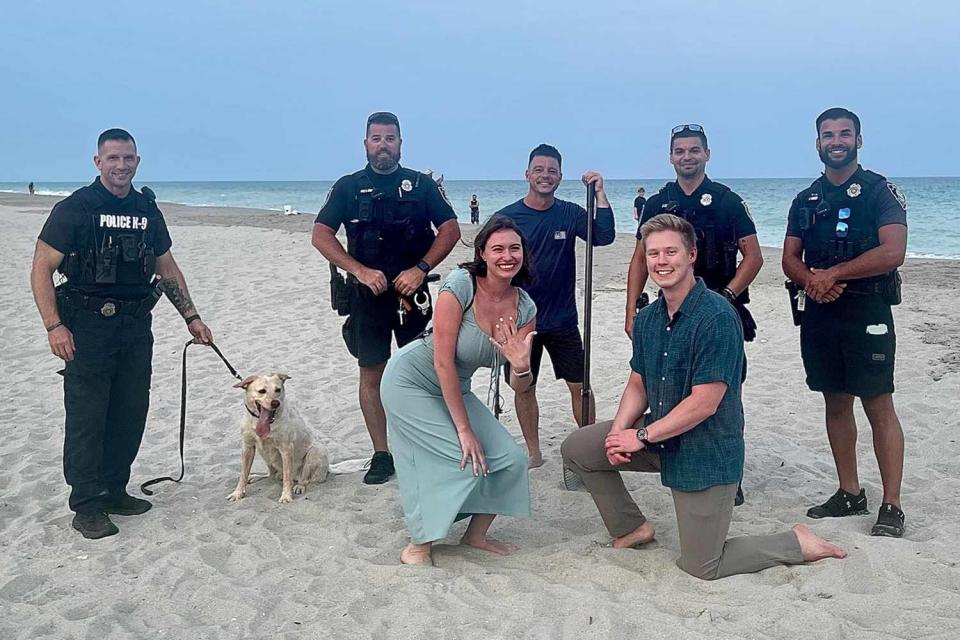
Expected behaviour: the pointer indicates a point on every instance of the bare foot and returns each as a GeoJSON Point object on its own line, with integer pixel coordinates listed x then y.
{"type": "Point", "coordinates": [489, 544]}
{"type": "Point", "coordinates": [416, 554]}
{"type": "Point", "coordinates": [641, 535]}
{"type": "Point", "coordinates": [814, 548]}
{"type": "Point", "coordinates": [535, 460]}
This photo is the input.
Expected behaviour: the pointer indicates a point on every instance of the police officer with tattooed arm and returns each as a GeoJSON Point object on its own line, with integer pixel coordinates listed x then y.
{"type": "Point", "coordinates": [723, 225]}
{"type": "Point", "coordinates": [108, 241]}
{"type": "Point", "coordinates": [846, 236]}
{"type": "Point", "coordinates": [388, 212]}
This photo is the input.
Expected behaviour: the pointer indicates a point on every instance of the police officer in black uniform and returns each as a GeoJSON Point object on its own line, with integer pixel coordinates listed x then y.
{"type": "Point", "coordinates": [846, 236]}
{"type": "Point", "coordinates": [723, 226]}
{"type": "Point", "coordinates": [388, 211]}
{"type": "Point", "coordinates": [108, 241]}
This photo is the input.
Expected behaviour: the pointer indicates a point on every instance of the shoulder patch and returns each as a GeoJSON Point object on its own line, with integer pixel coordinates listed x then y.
{"type": "Point", "coordinates": [746, 209]}
{"type": "Point", "coordinates": [326, 200]}
{"type": "Point", "coordinates": [902, 199]}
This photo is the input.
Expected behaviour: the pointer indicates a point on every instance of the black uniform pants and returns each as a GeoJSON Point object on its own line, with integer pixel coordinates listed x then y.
{"type": "Point", "coordinates": [106, 395]}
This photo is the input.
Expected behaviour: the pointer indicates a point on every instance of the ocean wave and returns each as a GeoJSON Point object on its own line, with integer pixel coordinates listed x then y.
{"type": "Point", "coordinates": [933, 256]}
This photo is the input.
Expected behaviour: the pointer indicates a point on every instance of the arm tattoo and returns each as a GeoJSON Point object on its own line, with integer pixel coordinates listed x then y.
{"type": "Point", "coordinates": [177, 296]}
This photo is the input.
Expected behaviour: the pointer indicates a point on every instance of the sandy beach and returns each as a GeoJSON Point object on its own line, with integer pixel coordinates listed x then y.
{"type": "Point", "coordinates": [326, 566]}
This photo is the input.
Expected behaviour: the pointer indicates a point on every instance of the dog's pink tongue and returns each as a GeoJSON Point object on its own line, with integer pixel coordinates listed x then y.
{"type": "Point", "coordinates": [263, 423]}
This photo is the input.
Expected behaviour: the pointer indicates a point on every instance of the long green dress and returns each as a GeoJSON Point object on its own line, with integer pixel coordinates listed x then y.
{"type": "Point", "coordinates": [434, 492]}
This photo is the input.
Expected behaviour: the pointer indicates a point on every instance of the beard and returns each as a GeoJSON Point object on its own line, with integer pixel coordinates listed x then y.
{"type": "Point", "coordinates": [851, 156]}
{"type": "Point", "coordinates": [383, 161]}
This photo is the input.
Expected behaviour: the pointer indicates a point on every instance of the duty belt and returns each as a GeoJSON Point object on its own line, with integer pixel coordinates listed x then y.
{"type": "Point", "coordinates": [109, 307]}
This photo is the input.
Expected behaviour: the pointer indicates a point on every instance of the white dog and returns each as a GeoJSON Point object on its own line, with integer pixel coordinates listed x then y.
{"type": "Point", "coordinates": [273, 427]}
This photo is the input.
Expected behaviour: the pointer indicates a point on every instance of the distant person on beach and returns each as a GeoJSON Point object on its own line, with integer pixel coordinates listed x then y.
{"type": "Point", "coordinates": [723, 225]}
{"type": "Point", "coordinates": [846, 236]}
{"type": "Point", "coordinates": [474, 210]}
{"type": "Point", "coordinates": [30, 188]}
{"type": "Point", "coordinates": [389, 213]}
{"type": "Point", "coordinates": [686, 369]}
{"type": "Point", "coordinates": [638, 203]}
{"type": "Point", "coordinates": [454, 458]}
{"type": "Point", "coordinates": [108, 240]}
{"type": "Point", "coordinates": [551, 227]}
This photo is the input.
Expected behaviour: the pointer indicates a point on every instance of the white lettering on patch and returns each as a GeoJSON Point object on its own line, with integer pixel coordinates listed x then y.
{"type": "Point", "coordinates": [115, 221]}
{"type": "Point", "coordinates": [559, 235]}
{"type": "Point", "coordinates": [877, 329]}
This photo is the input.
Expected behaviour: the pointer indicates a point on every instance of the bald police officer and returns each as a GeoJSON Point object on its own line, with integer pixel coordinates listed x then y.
{"type": "Point", "coordinates": [108, 241]}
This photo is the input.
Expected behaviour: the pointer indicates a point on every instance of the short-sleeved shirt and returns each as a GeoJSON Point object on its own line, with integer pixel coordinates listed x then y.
{"type": "Point", "coordinates": [551, 237]}
{"type": "Point", "coordinates": [702, 343]}
{"type": "Point", "coordinates": [76, 218]}
{"type": "Point", "coordinates": [342, 207]}
{"type": "Point", "coordinates": [886, 203]}
{"type": "Point", "coordinates": [731, 207]}
{"type": "Point", "coordinates": [638, 203]}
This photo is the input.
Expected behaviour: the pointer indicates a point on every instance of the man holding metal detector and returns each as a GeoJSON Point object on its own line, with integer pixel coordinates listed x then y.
{"type": "Point", "coordinates": [388, 212]}
{"type": "Point", "coordinates": [551, 227]}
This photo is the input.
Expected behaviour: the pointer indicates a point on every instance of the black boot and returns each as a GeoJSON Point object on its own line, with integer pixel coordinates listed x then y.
{"type": "Point", "coordinates": [94, 525]}
{"type": "Point", "coordinates": [124, 504]}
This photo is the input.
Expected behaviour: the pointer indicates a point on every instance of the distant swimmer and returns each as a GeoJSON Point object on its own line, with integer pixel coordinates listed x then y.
{"type": "Point", "coordinates": [846, 236]}
{"type": "Point", "coordinates": [551, 227]}
{"type": "Point", "coordinates": [109, 240]}
{"type": "Point", "coordinates": [474, 210]}
{"type": "Point", "coordinates": [390, 213]}
{"type": "Point", "coordinates": [724, 229]}
{"type": "Point", "coordinates": [30, 188]}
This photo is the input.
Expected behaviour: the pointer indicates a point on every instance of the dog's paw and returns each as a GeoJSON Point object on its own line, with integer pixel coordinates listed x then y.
{"type": "Point", "coordinates": [236, 495]}
{"type": "Point", "coordinates": [285, 498]}
{"type": "Point", "coordinates": [298, 489]}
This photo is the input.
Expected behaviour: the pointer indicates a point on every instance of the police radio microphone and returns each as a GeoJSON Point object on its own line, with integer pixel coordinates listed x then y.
{"type": "Point", "coordinates": [148, 194]}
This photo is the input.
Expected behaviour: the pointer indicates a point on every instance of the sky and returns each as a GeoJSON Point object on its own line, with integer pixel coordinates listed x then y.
{"type": "Point", "coordinates": [280, 90]}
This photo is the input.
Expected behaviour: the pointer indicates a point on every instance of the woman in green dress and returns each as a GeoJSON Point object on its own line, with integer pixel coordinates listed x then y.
{"type": "Point", "coordinates": [454, 459]}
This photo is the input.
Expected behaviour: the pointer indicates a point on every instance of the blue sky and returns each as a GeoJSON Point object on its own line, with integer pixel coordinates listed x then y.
{"type": "Point", "coordinates": [280, 90]}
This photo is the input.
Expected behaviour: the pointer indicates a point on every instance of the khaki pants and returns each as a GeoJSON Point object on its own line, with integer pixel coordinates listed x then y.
{"type": "Point", "coordinates": [703, 517]}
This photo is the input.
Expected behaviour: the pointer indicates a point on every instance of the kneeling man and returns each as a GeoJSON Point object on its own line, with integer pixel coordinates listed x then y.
{"type": "Point", "coordinates": [686, 368]}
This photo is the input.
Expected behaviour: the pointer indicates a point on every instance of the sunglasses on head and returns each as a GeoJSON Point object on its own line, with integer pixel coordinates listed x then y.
{"type": "Point", "coordinates": [680, 128]}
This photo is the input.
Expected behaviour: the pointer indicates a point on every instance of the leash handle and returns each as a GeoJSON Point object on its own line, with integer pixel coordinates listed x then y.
{"type": "Point", "coordinates": [183, 413]}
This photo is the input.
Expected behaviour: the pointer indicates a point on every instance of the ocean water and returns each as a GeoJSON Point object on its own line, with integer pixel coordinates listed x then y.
{"type": "Point", "coordinates": [932, 203]}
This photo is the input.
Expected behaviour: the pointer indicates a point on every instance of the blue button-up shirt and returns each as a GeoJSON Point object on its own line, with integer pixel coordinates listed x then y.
{"type": "Point", "coordinates": [702, 343]}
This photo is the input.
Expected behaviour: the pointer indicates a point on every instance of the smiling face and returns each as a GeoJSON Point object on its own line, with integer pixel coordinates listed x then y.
{"type": "Point", "coordinates": [689, 157]}
{"type": "Point", "coordinates": [669, 261]}
{"type": "Point", "coordinates": [503, 254]}
{"type": "Point", "coordinates": [837, 142]}
{"type": "Point", "coordinates": [117, 161]}
{"type": "Point", "coordinates": [543, 175]}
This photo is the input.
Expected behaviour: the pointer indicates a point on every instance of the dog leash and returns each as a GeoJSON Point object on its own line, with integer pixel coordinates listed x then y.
{"type": "Point", "coordinates": [183, 412]}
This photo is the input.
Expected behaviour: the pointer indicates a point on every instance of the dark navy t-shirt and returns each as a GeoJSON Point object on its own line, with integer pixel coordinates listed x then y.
{"type": "Point", "coordinates": [551, 239]}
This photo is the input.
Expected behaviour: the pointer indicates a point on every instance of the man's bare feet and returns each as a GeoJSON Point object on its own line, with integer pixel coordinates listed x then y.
{"type": "Point", "coordinates": [814, 548]}
{"type": "Point", "coordinates": [417, 554]}
{"type": "Point", "coordinates": [489, 544]}
{"type": "Point", "coordinates": [641, 535]}
{"type": "Point", "coordinates": [535, 460]}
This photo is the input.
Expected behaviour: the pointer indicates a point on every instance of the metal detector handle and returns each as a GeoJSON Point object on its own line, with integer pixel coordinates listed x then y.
{"type": "Point", "coordinates": [586, 392]}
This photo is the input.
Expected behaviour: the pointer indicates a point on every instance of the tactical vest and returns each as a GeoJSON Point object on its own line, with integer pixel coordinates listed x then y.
{"type": "Point", "coordinates": [830, 237]}
{"type": "Point", "coordinates": [716, 231]}
{"type": "Point", "coordinates": [113, 247]}
{"type": "Point", "coordinates": [392, 230]}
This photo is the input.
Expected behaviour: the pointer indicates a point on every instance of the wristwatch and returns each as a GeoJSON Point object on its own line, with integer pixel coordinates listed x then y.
{"type": "Point", "coordinates": [642, 436]}
{"type": "Point", "coordinates": [423, 266]}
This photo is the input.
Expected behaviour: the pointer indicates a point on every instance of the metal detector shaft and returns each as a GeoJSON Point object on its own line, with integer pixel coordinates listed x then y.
{"type": "Point", "coordinates": [587, 393]}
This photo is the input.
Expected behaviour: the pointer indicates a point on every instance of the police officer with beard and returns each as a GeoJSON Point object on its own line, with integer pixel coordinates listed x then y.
{"type": "Point", "coordinates": [108, 241]}
{"type": "Point", "coordinates": [846, 236]}
{"type": "Point", "coordinates": [388, 211]}
{"type": "Point", "coordinates": [723, 226]}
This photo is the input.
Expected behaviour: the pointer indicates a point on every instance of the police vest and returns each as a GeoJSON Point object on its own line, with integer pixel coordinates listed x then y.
{"type": "Point", "coordinates": [392, 230]}
{"type": "Point", "coordinates": [715, 230]}
{"type": "Point", "coordinates": [113, 247]}
{"type": "Point", "coordinates": [837, 227]}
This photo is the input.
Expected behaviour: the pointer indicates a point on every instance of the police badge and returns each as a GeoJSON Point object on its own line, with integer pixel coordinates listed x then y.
{"type": "Point", "coordinates": [705, 200]}
{"type": "Point", "coordinates": [854, 190]}
{"type": "Point", "coordinates": [406, 185]}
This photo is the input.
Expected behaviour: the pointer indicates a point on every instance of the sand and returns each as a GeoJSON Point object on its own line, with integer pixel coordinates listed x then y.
{"type": "Point", "coordinates": [326, 566]}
